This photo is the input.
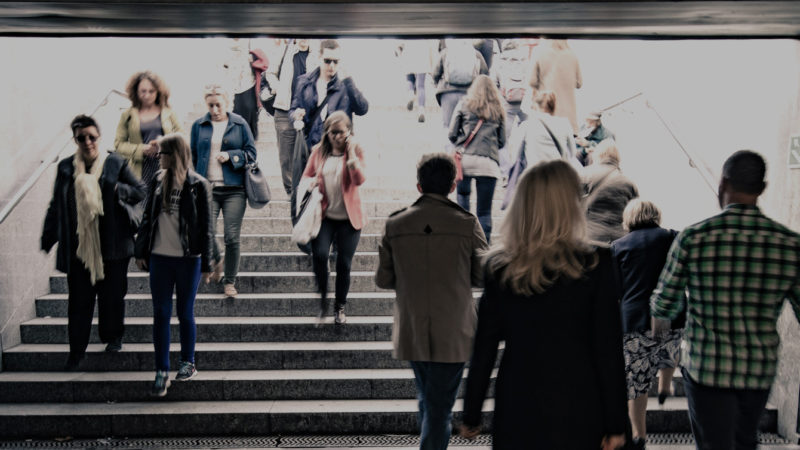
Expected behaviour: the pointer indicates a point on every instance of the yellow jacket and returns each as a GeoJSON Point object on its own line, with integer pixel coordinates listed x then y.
{"type": "Point", "coordinates": [128, 141]}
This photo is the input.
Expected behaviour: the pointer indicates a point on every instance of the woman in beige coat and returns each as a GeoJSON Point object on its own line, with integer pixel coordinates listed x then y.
{"type": "Point", "coordinates": [556, 68]}
{"type": "Point", "coordinates": [144, 122]}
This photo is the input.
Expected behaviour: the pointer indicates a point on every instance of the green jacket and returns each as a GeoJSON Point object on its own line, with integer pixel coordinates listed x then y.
{"type": "Point", "coordinates": [128, 141]}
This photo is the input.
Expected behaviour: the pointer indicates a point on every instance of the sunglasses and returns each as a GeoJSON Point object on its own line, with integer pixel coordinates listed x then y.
{"type": "Point", "coordinates": [85, 137]}
{"type": "Point", "coordinates": [330, 61]}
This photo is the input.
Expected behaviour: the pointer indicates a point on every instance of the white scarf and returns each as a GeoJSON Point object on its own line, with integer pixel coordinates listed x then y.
{"type": "Point", "coordinates": [89, 206]}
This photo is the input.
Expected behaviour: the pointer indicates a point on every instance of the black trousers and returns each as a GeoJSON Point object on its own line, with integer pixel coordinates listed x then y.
{"type": "Point", "coordinates": [245, 105]}
{"type": "Point", "coordinates": [110, 294]}
{"type": "Point", "coordinates": [346, 238]}
{"type": "Point", "coordinates": [724, 419]}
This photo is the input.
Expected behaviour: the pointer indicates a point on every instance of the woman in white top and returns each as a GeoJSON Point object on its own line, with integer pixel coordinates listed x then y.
{"type": "Point", "coordinates": [546, 136]}
{"type": "Point", "coordinates": [336, 165]}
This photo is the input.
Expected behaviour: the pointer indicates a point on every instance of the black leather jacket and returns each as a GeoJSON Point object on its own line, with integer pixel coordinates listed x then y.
{"type": "Point", "coordinates": [117, 184]}
{"type": "Point", "coordinates": [196, 220]}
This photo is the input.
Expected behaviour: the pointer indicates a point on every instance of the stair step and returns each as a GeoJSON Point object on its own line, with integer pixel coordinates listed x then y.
{"type": "Point", "coordinates": [283, 243]}
{"type": "Point", "coordinates": [211, 385]}
{"type": "Point", "coordinates": [224, 329]}
{"type": "Point", "coordinates": [283, 225]}
{"type": "Point", "coordinates": [244, 305]}
{"type": "Point", "coordinates": [295, 261]}
{"type": "Point", "coordinates": [214, 356]}
{"type": "Point", "coordinates": [260, 417]}
{"type": "Point", "coordinates": [377, 208]}
{"type": "Point", "coordinates": [247, 283]}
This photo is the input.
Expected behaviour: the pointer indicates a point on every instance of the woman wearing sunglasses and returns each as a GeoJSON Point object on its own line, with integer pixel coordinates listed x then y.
{"type": "Point", "coordinates": [336, 165]}
{"type": "Point", "coordinates": [144, 122]}
{"type": "Point", "coordinates": [94, 236]}
{"type": "Point", "coordinates": [174, 244]}
{"type": "Point", "coordinates": [222, 144]}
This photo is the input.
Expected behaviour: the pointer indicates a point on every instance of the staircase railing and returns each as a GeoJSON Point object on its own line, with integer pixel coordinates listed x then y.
{"type": "Point", "coordinates": [695, 161]}
{"type": "Point", "coordinates": [49, 159]}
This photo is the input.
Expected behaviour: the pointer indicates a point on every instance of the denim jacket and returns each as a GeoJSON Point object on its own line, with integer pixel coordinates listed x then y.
{"type": "Point", "coordinates": [237, 142]}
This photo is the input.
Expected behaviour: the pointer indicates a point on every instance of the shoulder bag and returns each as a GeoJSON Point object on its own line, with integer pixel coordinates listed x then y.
{"type": "Point", "coordinates": [459, 153]}
{"type": "Point", "coordinates": [255, 185]}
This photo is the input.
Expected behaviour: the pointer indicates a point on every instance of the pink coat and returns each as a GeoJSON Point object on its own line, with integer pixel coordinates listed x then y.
{"type": "Point", "coordinates": [352, 178]}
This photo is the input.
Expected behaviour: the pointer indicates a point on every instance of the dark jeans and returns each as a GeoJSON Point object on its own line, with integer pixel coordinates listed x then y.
{"type": "Point", "coordinates": [724, 419]}
{"type": "Point", "coordinates": [437, 387]}
{"type": "Point", "coordinates": [232, 201]}
{"type": "Point", "coordinates": [346, 242]}
{"type": "Point", "coordinates": [110, 294]}
{"type": "Point", "coordinates": [285, 133]}
{"type": "Point", "coordinates": [416, 85]}
{"type": "Point", "coordinates": [485, 187]}
{"type": "Point", "coordinates": [181, 274]}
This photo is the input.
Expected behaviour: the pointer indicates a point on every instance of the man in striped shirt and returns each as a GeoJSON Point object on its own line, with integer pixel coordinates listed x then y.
{"type": "Point", "coordinates": [732, 272]}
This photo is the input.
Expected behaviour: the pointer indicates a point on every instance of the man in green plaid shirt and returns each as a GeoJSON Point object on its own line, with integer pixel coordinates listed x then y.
{"type": "Point", "coordinates": [732, 272]}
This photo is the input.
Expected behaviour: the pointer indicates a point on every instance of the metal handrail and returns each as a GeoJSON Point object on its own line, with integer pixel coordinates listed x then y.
{"type": "Point", "coordinates": [686, 152]}
{"type": "Point", "coordinates": [46, 163]}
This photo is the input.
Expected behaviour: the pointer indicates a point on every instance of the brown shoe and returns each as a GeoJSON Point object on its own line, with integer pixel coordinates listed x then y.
{"type": "Point", "coordinates": [230, 290]}
{"type": "Point", "coordinates": [219, 267]}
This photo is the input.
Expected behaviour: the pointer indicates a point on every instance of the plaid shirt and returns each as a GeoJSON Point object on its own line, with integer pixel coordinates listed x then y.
{"type": "Point", "coordinates": [737, 268]}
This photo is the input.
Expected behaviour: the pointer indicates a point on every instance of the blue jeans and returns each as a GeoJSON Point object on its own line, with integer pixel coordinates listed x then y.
{"type": "Point", "coordinates": [346, 242]}
{"type": "Point", "coordinates": [181, 274]}
{"type": "Point", "coordinates": [724, 418]}
{"type": "Point", "coordinates": [448, 102]}
{"type": "Point", "coordinates": [485, 187]}
{"type": "Point", "coordinates": [437, 388]}
{"type": "Point", "coordinates": [416, 85]}
{"type": "Point", "coordinates": [232, 201]}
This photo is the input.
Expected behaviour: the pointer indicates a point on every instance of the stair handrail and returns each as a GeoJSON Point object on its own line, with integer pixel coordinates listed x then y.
{"type": "Point", "coordinates": [690, 155]}
{"type": "Point", "coordinates": [46, 163]}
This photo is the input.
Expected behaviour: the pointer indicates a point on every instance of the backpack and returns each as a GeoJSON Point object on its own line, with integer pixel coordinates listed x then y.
{"type": "Point", "coordinates": [461, 65]}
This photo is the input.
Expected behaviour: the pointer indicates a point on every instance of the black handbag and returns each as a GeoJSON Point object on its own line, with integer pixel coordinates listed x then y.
{"type": "Point", "coordinates": [134, 213]}
{"type": "Point", "coordinates": [255, 185]}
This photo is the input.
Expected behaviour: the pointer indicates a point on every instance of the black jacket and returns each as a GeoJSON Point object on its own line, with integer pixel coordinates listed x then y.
{"type": "Point", "coordinates": [196, 220]}
{"type": "Point", "coordinates": [640, 256]}
{"type": "Point", "coordinates": [117, 183]}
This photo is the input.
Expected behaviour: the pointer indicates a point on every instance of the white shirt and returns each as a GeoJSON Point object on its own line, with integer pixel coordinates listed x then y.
{"type": "Point", "coordinates": [332, 172]}
{"type": "Point", "coordinates": [214, 167]}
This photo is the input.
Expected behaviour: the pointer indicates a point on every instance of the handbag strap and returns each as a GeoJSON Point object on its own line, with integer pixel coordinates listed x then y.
{"type": "Point", "coordinates": [553, 137]}
{"type": "Point", "coordinates": [316, 114]}
{"type": "Point", "coordinates": [474, 132]}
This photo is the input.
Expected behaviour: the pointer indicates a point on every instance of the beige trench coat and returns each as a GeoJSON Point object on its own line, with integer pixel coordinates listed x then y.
{"type": "Point", "coordinates": [430, 254]}
{"type": "Point", "coordinates": [558, 71]}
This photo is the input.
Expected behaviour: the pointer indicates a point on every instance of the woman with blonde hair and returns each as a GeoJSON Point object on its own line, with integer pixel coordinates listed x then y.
{"type": "Point", "coordinates": [478, 128]}
{"type": "Point", "coordinates": [552, 298]}
{"type": "Point", "coordinates": [640, 256]}
{"type": "Point", "coordinates": [222, 144]}
{"type": "Point", "coordinates": [175, 244]}
{"type": "Point", "coordinates": [141, 125]}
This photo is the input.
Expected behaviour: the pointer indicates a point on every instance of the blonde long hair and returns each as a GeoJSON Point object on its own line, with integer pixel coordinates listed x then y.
{"type": "Point", "coordinates": [543, 236]}
{"type": "Point", "coordinates": [176, 160]}
{"type": "Point", "coordinates": [483, 99]}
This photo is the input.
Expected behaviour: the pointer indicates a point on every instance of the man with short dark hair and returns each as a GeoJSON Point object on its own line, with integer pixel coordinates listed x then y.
{"type": "Point", "coordinates": [430, 255]}
{"type": "Point", "coordinates": [737, 268]}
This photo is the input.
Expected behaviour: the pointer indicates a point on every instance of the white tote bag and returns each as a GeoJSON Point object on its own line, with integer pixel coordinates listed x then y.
{"type": "Point", "coordinates": [309, 217]}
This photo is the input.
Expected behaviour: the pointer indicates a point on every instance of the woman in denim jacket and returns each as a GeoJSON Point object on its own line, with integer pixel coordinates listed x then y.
{"type": "Point", "coordinates": [222, 143]}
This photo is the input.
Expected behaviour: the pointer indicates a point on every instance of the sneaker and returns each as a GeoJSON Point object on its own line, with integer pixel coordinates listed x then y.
{"type": "Point", "coordinates": [114, 346]}
{"type": "Point", "coordinates": [410, 104]}
{"type": "Point", "coordinates": [338, 316]}
{"type": "Point", "coordinates": [230, 290]}
{"type": "Point", "coordinates": [638, 444]}
{"type": "Point", "coordinates": [186, 372]}
{"type": "Point", "coordinates": [161, 384]}
{"type": "Point", "coordinates": [421, 118]}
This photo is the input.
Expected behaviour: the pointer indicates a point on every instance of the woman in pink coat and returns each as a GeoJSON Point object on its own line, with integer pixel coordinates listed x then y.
{"type": "Point", "coordinates": [336, 165]}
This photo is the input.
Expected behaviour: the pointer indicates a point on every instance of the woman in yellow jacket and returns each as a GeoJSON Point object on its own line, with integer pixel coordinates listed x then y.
{"type": "Point", "coordinates": [143, 123]}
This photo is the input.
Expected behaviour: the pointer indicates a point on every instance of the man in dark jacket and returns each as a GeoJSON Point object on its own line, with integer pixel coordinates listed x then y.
{"type": "Point", "coordinates": [94, 232]}
{"type": "Point", "coordinates": [323, 91]}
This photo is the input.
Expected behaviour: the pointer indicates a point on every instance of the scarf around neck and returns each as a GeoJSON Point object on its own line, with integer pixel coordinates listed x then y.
{"type": "Point", "coordinates": [89, 206]}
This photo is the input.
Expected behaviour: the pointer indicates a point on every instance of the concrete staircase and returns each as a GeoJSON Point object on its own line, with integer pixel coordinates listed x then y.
{"type": "Point", "coordinates": [264, 367]}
